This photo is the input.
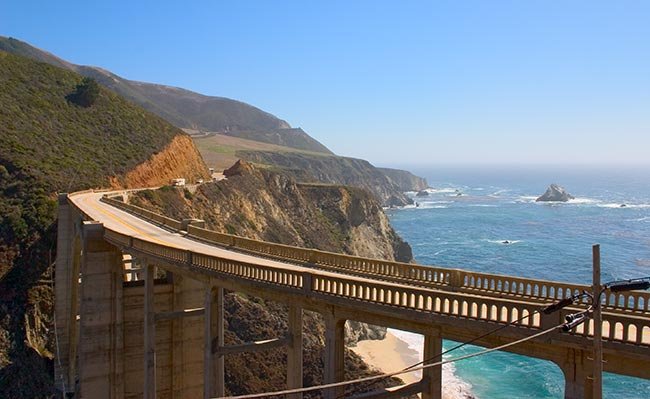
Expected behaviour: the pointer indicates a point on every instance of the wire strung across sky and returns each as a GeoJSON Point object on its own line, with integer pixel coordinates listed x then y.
{"type": "Point", "coordinates": [376, 377]}
{"type": "Point", "coordinates": [572, 321]}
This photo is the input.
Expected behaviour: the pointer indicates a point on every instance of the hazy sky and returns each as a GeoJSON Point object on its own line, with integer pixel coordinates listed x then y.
{"type": "Point", "coordinates": [392, 82]}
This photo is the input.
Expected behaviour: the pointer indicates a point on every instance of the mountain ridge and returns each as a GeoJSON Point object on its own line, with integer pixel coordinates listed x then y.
{"type": "Point", "coordinates": [241, 121]}
{"type": "Point", "coordinates": [181, 107]}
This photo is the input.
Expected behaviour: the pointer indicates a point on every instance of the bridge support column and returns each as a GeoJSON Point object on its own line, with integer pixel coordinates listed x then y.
{"type": "Point", "coordinates": [334, 356]}
{"type": "Point", "coordinates": [63, 287]}
{"type": "Point", "coordinates": [432, 375]}
{"type": "Point", "coordinates": [294, 351]}
{"type": "Point", "coordinates": [101, 343]}
{"type": "Point", "coordinates": [576, 369]}
{"type": "Point", "coordinates": [213, 365]}
{"type": "Point", "coordinates": [149, 333]}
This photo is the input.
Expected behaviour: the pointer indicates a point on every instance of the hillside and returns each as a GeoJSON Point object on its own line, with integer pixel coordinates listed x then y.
{"type": "Point", "coordinates": [220, 151]}
{"type": "Point", "coordinates": [226, 130]}
{"type": "Point", "coordinates": [184, 108]}
{"type": "Point", "coordinates": [50, 144]}
{"type": "Point", "coordinates": [316, 168]}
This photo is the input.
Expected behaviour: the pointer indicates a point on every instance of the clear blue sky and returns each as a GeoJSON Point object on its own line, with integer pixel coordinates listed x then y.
{"type": "Point", "coordinates": [392, 82]}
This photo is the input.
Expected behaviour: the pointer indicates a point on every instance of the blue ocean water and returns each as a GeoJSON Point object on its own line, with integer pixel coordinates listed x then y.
{"type": "Point", "coordinates": [472, 210]}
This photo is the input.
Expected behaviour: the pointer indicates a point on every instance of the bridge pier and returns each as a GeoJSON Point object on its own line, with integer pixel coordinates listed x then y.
{"type": "Point", "coordinates": [213, 364]}
{"type": "Point", "coordinates": [66, 286]}
{"type": "Point", "coordinates": [149, 388]}
{"type": "Point", "coordinates": [294, 351]}
{"type": "Point", "coordinates": [334, 356]}
{"type": "Point", "coordinates": [101, 318]}
{"type": "Point", "coordinates": [577, 375]}
{"type": "Point", "coordinates": [432, 376]}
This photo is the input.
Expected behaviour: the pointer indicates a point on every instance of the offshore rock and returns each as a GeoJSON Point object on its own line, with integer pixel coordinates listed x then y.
{"type": "Point", "coordinates": [555, 193]}
{"type": "Point", "coordinates": [422, 193]}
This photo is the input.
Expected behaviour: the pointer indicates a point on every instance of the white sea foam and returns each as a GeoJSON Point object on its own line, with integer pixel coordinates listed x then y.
{"type": "Point", "coordinates": [442, 190]}
{"type": "Point", "coordinates": [502, 241]}
{"type": "Point", "coordinates": [452, 386]}
{"type": "Point", "coordinates": [498, 193]}
{"type": "Point", "coordinates": [575, 201]}
{"type": "Point", "coordinates": [583, 201]}
{"type": "Point", "coordinates": [433, 204]}
{"type": "Point", "coordinates": [526, 198]}
{"type": "Point", "coordinates": [626, 206]}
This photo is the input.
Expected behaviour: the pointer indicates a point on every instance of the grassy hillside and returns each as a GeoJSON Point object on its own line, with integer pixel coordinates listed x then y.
{"type": "Point", "coordinates": [50, 144]}
{"type": "Point", "coordinates": [184, 108]}
{"type": "Point", "coordinates": [220, 151]}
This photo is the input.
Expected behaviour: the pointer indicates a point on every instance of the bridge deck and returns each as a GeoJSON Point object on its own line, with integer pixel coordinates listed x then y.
{"type": "Point", "coordinates": [463, 303]}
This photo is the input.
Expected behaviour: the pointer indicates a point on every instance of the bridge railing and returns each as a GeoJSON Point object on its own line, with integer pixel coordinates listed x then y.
{"type": "Point", "coordinates": [455, 279]}
{"type": "Point", "coordinates": [430, 275]}
{"type": "Point", "coordinates": [626, 328]}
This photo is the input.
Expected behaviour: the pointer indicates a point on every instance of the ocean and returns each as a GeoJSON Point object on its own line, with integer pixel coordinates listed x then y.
{"type": "Point", "coordinates": [471, 211]}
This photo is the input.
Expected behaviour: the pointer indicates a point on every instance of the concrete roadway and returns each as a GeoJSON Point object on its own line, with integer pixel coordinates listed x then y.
{"type": "Point", "coordinates": [125, 223]}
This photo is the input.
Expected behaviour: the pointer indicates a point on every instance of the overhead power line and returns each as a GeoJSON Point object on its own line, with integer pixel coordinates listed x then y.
{"type": "Point", "coordinates": [546, 310]}
{"type": "Point", "coordinates": [572, 321]}
{"type": "Point", "coordinates": [376, 377]}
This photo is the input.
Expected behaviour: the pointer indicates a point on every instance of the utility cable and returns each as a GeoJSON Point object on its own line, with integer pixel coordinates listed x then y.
{"type": "Point", "coordinates": [547, 310]}
{"type": "Point", "coordinates": [376, 377]}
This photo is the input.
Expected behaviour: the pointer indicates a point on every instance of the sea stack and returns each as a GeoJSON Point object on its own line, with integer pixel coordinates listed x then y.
{"type": "Point", "coordinates": [555, 193]}
{"type": "Point", "coordinates": [422, 193]}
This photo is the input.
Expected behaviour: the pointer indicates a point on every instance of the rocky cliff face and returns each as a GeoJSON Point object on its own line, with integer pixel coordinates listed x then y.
{"type": "Point", "coordinates": [332, 170]}
{"type": "Point", "coordinates": [179, 159]}
{"type": "Point", "coordinates": [405, 180]}
{"type": "Point", "coordinates": [266, 205]}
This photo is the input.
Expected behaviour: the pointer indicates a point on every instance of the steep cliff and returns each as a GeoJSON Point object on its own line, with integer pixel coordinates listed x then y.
{"type": "Point", "coordinates": [332, 170]}
{"type": "Point", "coordinates": [266, 205]}
{"type": "Point", "coordinates": [262, 204]}
{"type": "Point", "coordinates": [50, 144]}
{"type": "Point", "coordinates": [179, 158]}
{"type": "Point", "coordinates": [405, 180]}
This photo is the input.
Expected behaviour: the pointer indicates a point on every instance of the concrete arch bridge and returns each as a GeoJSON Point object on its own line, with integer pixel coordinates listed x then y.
{"type": "Point", "coordinates": [124, 333]}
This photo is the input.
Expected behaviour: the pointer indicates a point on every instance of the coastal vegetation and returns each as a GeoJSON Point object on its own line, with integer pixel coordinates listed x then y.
{"type": "Point", "coordinates": [185, 108]}
{"type": "Point", "coordinates": [49, 144]}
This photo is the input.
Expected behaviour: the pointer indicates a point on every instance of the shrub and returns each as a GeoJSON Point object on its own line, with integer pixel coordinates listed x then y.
{"type": "Point", "coordinates": [86, 93]}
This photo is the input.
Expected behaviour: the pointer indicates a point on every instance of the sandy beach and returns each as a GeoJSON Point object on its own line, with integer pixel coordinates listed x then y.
{"type": "Point", "coordinates": [393, 354]}
{"type": "Point", "coordinates": [388, 355]}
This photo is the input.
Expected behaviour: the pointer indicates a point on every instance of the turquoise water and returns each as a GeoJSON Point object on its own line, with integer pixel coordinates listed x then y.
{"type": "Point", "coordinates": [546, 241]}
